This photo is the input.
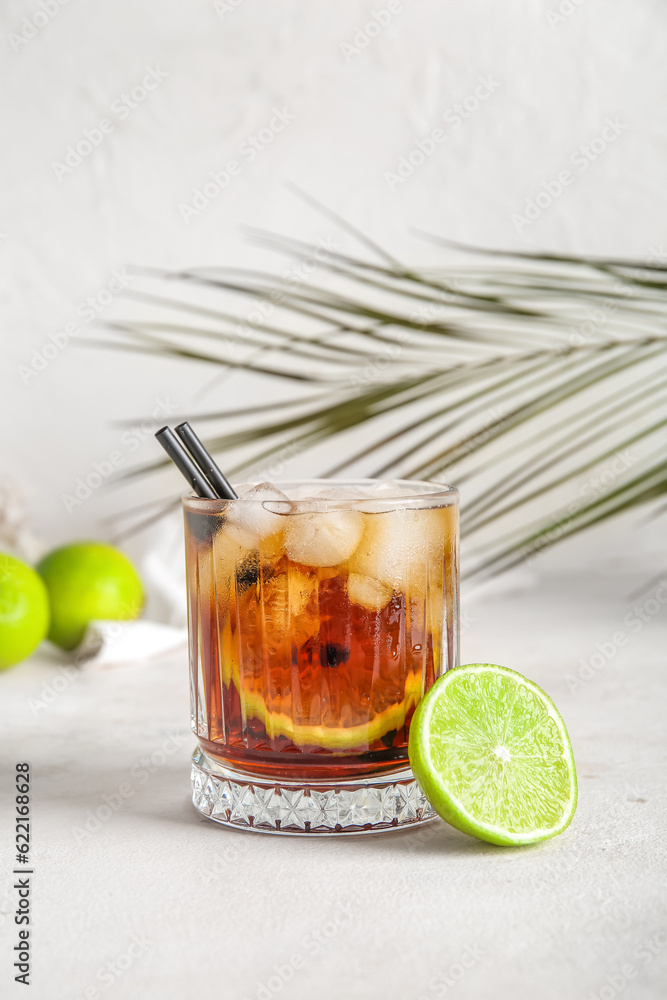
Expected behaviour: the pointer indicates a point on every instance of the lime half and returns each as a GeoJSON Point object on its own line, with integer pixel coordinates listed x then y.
{"type": "Point", "coordinates": [492, 755]}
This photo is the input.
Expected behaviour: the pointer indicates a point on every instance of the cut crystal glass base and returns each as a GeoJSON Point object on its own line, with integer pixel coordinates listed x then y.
{"type": "Point", "coordinates": [373, 804]}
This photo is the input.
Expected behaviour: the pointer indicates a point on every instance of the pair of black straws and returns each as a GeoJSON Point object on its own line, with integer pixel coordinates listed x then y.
{"type": "Point", "coordinates": [195, 463]}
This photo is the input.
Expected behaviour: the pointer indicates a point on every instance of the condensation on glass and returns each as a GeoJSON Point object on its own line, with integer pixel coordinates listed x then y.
{"type": "Point", "coordinates": [316, 626]}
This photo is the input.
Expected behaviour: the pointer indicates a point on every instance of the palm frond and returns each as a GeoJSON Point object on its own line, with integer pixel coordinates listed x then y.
{"type": "Point", "coordinates": [515, 374]}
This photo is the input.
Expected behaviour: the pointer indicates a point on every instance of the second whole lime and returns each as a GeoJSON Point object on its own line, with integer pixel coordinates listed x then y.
{"type": "Point", "coordinates": [87, 581]}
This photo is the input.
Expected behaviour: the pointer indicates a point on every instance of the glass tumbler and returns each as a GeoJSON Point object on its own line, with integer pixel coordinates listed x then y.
{"type": "Point", "coordinates": [316, 625]}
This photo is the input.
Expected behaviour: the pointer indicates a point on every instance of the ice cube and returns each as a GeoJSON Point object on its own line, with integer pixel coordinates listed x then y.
{"type": "Point", "coordinates": [342, 491]}
{"type": "Point", "coordinates": [285, 604]}
{"type": "Point", "coordinates": [257, 514]}
{"type": "Point", "coordinates": [400, 547]}
{"type": "Point", "coordinates": [263, 491]}
{"type": "Point", "coordinates": [323, 538]}
{"type": "Point", "coordinates": [382, 495]}
{"type": "Point", "coordinates": [369, 593]}
{"type": "Point", "coordinates": [302, 491]}
{"type": "Point", "coordinates": [386, 488]}
{"type": "Point", "coordinates": [231, 556]}
{"type": "Point", "coordinates": [333, 491]}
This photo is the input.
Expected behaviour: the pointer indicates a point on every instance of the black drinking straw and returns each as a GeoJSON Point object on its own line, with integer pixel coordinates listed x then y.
{"type": "Point", "coordinates": [206, 462]}
{"type": "Point", "coordinates": [185, 465]}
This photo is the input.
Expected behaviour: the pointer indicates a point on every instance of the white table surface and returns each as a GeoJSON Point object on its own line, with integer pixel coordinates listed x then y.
{"type": "Point", "coordinates": [191, 909]}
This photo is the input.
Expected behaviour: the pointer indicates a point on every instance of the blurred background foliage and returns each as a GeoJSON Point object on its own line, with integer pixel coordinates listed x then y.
{"type": "Point", "coordinates": [534, 382]}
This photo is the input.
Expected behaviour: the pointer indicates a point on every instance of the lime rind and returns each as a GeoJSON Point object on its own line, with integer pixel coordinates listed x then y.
{"type": "Point", "coordinates": [332, 737]}
{"type": "Point", "coordinates": [85, 581]}
{"type": "Point", "coordinates": [24, 610]}
{"type": "Point", "coordinates": [492, 754]}
{"type": "Point", "coordinates": [277, 723]}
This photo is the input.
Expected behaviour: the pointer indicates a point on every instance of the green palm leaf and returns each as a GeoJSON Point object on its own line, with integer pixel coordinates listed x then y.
{"type": "Point", "coordinates": [513, 374]}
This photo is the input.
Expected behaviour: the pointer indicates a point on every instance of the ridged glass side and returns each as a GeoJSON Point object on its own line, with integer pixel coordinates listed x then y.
{"type": "Point", "coordinates": [373, 806]}
{"type": "Point", "coordinates": [303, 672]}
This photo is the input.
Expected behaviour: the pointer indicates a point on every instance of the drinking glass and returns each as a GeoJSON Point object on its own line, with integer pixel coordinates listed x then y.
{"type": "Point", "coordinates": [316, 625]}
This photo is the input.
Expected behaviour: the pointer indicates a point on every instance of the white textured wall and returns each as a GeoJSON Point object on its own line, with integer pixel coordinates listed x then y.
{"type": "Point", "coordinates": [556, 81]}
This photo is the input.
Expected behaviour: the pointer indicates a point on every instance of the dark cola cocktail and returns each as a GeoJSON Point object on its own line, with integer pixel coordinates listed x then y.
{"type": "Point", "coordinates": [319, 615]}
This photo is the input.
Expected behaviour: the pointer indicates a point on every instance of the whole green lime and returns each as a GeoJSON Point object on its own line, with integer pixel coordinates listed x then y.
{"type": "Point", "coordinates": [85, 581]}
{"type": "Point", "coordinates": [24, 610]}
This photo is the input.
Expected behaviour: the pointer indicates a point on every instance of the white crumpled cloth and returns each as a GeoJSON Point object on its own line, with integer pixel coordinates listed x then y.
{"type": "Point", "coordinates": [158, 556]}
{"type": "Point", "coordinates": [112, 644]}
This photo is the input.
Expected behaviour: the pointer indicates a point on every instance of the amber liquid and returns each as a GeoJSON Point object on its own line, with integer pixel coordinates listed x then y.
{"type": "Point", "coordinates": [291, 678]}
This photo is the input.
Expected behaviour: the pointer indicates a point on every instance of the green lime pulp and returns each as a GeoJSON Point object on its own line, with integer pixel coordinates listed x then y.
{"type": "Point", "coordinates": [492, 754]}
